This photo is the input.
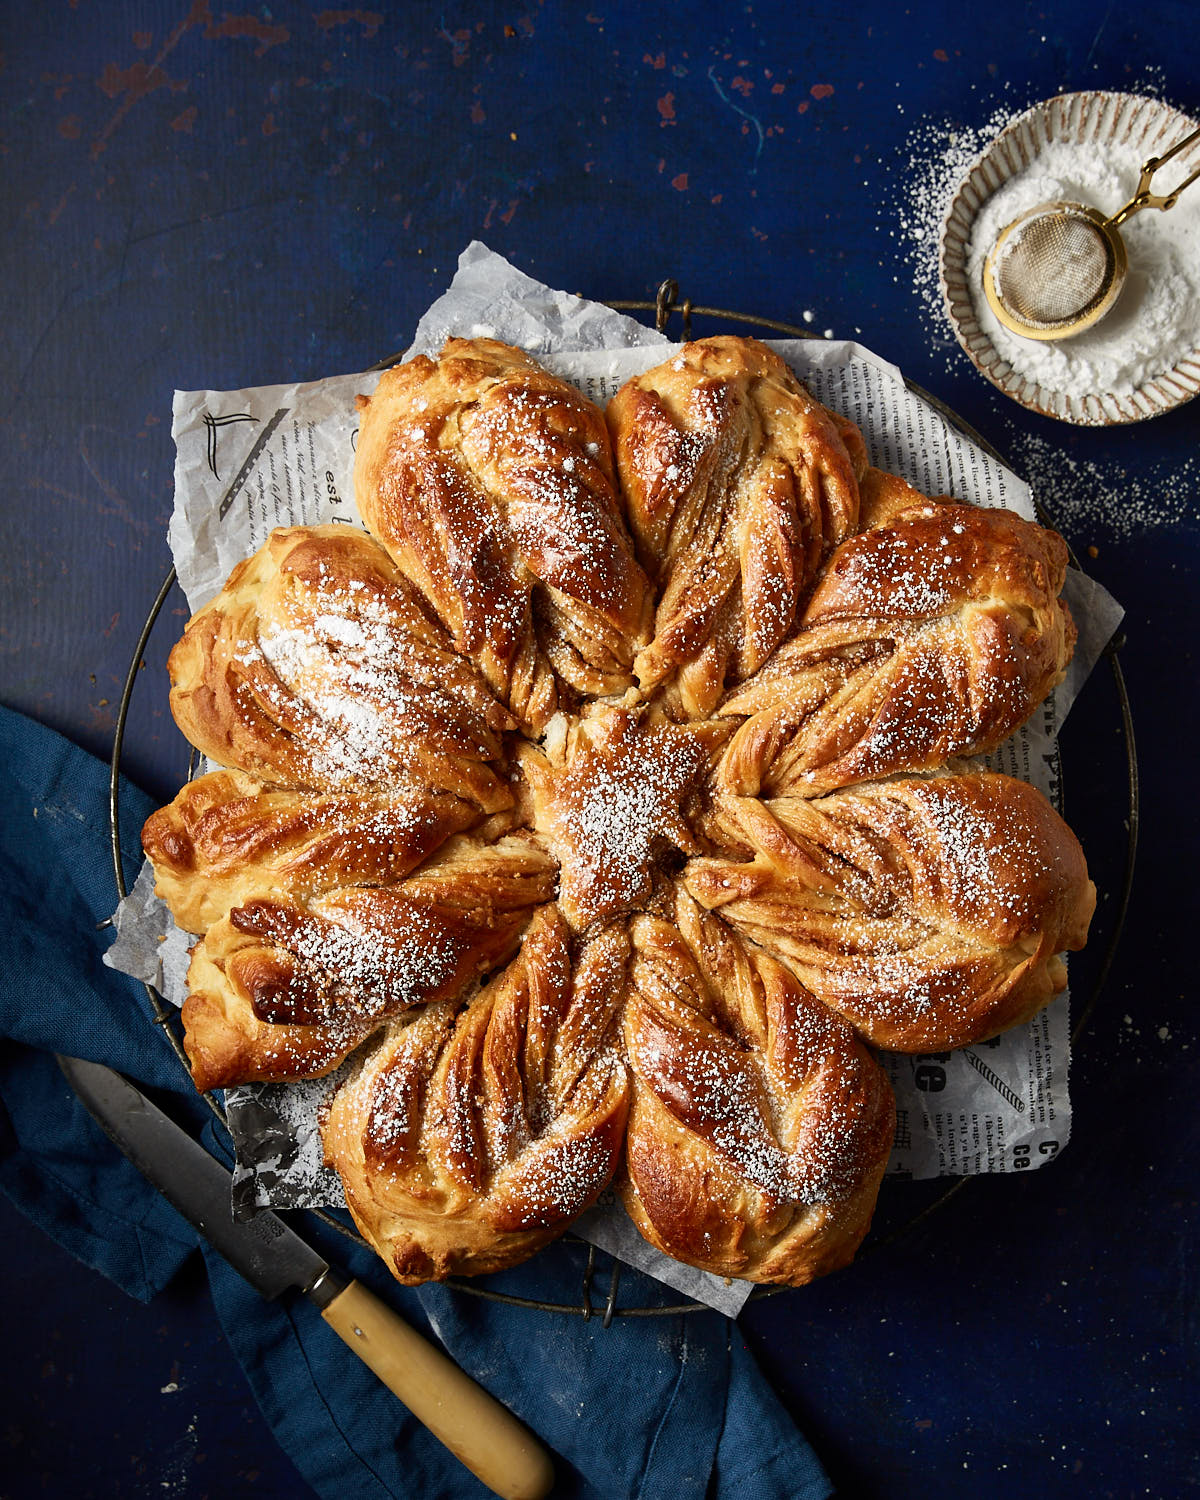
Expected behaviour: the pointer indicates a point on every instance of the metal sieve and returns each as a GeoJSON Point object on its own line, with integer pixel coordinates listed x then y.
{"type": "Point", "coordinates": [1059, 267]}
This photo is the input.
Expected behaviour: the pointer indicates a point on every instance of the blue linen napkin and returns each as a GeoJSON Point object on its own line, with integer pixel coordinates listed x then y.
{"type": "Point", "coordinates": [647, 1407]}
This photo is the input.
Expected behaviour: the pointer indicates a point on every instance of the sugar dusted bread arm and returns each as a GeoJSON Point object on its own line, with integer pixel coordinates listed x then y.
{"type": "Point", "coordinates": [930, 912]}
{"type": "Point", "coordinates": [287, 987]}
{"type": "Point", "coordinates": [318, 667]}
{"type": "Point", "coordinates": [491, 483]}
{"type": "Point", "coordinates": [934, 633]}
{"type": "Point", "coordinates": [225, 841]}
{"type": "Point", "coordinates": [467, 1141]}
{"type": "Point", "coordinates": [738, 484]}
{"type": "Point", "coordinates": [759, 1126]}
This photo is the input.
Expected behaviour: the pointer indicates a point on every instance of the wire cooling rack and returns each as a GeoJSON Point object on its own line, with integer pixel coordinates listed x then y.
{"type": "Point", "coordinates": [592, 1302]}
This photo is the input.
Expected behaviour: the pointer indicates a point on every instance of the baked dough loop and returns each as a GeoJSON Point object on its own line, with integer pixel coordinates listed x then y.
{"type": "Point", "coordinates": [491, 483]}
{"type": "Point", "coordinates": [738, 484]}
{"type": "Point", "coordinates": [466, 1141]}
{"type": "Point", "coordinates": [760, 1126]}
{"type": "Point", "coordinates": [933, 634]}
{"type": "Point", "coordinates": [593, 804]}
{"type": "Point", "coordinates": [318, 667]}
{"type": "Point", "coordinates": [930, 912]}
{"type": "Point", "coordinates": [287, 988]}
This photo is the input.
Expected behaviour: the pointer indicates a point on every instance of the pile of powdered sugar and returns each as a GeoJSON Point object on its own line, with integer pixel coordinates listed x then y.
{"type": "Point", "coordinates": [1156, 319]}
{"type": "Point", "coordinates": [940, 154]}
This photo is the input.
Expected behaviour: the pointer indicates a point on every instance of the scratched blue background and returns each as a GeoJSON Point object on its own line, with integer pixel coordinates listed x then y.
{"type": "Point", "coordinates": [220, 197]}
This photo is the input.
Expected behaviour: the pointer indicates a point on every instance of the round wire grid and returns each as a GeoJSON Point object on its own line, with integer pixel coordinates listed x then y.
{"type": "Point", "coordinates": [166, 1016]}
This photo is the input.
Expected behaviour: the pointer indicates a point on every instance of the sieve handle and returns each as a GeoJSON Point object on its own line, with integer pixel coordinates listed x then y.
{"type": "Point", "coordinates": [1144, 198]}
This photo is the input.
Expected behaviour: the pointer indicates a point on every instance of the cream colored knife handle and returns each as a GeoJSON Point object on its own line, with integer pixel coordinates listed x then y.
{"type": "Point", "coordinates": [472, 1424]}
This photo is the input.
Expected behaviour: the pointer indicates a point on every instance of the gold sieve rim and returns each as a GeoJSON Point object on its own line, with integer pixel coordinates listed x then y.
{"type": "Point", "coordinates": [1091, 311]}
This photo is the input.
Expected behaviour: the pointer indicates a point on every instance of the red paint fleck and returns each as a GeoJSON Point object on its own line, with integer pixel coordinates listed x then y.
{"type": "Point", "coordinates": [666, 108]}
{"type": "Point", "coordinates": [185, 121]}
{"type": "Point", "coordinates": [802, 107]}
{"type": "Point", "coordinates": [821, 90]}
{"type": "Point", "coordinates": [660, 61]}
{"type": "Point", "coordinates": [460, 45]}
{"type": "Point", "coordinates": [478, 115]}
{"type": "Point", "coordinates": [507, 216]}
{"type": "Point", "coordinates": [142, 40]}
{"type": "Point", "coordinates": [69, 128]}
{"type": "Point", "coordinates": [138, 80]}
{"type": "Point", "coordinates": [716, 198]}
{"type": "Point", "coordinates": [680, 183]}
{"type": "Point", "coordinates": [778, 88]}
{"type": "Point", "coordinates": [61, 204]}
{"type": "Point", "coordinates": [940, 54]}
{"type": "Point", "coordinates": [262, 32]}
{"type": "Point", "coordinates": [743, 86]}
{"type": "Point", "coordinates": [662, 161]}
{"type": "Point", "coordinates": [369, 20]}
{"type": "Point", "coordinates": [269, 126]}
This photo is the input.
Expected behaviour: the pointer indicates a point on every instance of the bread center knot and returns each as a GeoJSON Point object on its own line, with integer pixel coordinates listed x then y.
{"type": "Point", "coordinates": [607, 791]}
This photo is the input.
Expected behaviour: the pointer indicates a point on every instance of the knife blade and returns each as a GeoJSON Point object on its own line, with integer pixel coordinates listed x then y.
{"type": "Point", "coordinates": [481, 1432]}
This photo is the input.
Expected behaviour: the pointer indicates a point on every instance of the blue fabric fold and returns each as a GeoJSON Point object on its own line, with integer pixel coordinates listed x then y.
{"type": "Point", "coordinates": [645, 1408]}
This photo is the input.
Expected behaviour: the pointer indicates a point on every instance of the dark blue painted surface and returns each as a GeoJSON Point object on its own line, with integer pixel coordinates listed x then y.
{"type": "Point", "coordinates": [215, 197]}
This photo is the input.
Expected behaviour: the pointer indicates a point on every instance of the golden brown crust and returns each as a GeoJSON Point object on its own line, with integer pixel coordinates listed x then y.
{"type": "Point", "coordinates": [929, 912]}
{"type": "Point", "coordinates": [687, 900]}
{"type": "Point", "coordinates": [225, 841]}
{"type": "Point", "coordinates": [608, 804]}
{"type": "Point", "coordinates": [933, 634]}
{"type": "Point", "coordinates": [317, 667]}
{"type": "Point", "coordinates": [490, 482]}
{"type": "Point", "coordinates": [287, 988]}
{"type": "Point", "coordinates": [760, 1126]}
{"type": "Point", "coordinates": [738, 484]}
{"type": "Point", "coordinates": [467, 1141]}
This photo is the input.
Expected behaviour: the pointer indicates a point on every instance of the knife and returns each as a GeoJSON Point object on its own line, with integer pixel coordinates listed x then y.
{"type": "Point", "coordinates": [476, 1428]}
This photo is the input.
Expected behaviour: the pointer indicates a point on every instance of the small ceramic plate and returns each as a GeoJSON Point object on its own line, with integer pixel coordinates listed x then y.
{"type": "Point", "coordinates": [1103, 123]}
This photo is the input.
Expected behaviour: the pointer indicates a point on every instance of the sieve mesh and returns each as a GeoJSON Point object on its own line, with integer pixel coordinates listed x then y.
{"type": "Point", "coordinates": [1054, 268]}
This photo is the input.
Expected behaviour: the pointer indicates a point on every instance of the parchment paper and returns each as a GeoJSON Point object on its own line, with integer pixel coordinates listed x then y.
{"type": "Point", "coordinates": [248, 461]}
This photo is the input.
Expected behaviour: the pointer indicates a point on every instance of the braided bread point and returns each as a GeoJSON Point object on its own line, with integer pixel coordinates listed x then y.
{"type": "Point", "coordinates": [288, 987]}
{"type": "Point", "coordinates": [224, 841]}
{"type": "Point", "coordinates": [935, 633]}
{"type": "Point", "coordinates": [317, 666]}
{"type": "Point", "coordinates": [738, 484]}
{"type": "Point", "coordinates": [759, 1125]}
{"type": "Point", "coordinates": [931, 913]}
{"type": "Point", "coordinates": [472, 1136]}
{"type": "Point", "coordinates": [490, 481]}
